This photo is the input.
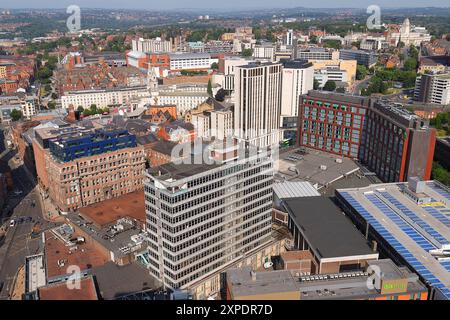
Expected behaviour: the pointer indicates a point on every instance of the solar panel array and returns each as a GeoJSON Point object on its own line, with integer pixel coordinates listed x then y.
{"type": "Point", "coordinates": [393, 241]}
{"type": "Point", "coordinates": [416, 219]}
{"type": "Point", "coordinates": [435, 187]}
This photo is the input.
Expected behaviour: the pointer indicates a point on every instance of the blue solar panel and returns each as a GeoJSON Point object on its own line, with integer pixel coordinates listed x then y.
{"type": "Point", "coordinates": [408, 256]}
{"type": "Point", "coordinates": [411, 215]}
{"type": "Point", "coordinates": [439, 190]}
{"type": "Point", "coordinates": [444, 219]}
{"type": "Point", "coordinates": [405, 227]}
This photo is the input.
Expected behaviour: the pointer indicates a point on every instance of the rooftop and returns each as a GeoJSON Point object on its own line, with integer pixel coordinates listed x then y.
{"type": "Point", "coordinates": [272, 282]}
{"type": "Point", "coordinates": [181, 55]}
{"type": "Point", "coordinates": [109, 211]}
{"type": "Point", "coordinates": [174, 171]}
{"type": "Point", "coordinates": [338, 97]}
{"type": "Point", "coordinates": [60, 291]}
{"type": "Point", "coordinates": [350, 285]}
{"type": "Point", "coordinates": [164, 147]}
{"type": "Point", "coordinates": [327, 230]}
{"type": "Point", "coordinates": [296, 189]}
{"type": "Point", "coordinates": [416, 224]}
{"type": "Point", "coordinates": [304, 164]}
{"type": "Point", "coordinates": [59, 254]}
{"type": "Point", "coordinates": [115, 281]}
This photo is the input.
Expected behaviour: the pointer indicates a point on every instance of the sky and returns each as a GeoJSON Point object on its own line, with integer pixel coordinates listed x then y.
{"type": "Point", "coordinates": [219, 4]}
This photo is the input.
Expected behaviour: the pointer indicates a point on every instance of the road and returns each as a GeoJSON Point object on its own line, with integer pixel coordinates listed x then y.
{"type": "Point", "coordinates": [17, 243]}
{"type": "Point", "coordinates": [359, 85]}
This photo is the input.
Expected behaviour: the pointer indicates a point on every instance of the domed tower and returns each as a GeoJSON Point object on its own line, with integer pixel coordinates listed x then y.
{"type": "Point", "coordinates": [152, 80]}
{"type": "Point", "coordinates": [406, 27]}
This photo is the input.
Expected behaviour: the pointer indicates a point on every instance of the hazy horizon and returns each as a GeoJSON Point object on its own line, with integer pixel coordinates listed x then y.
{"type": "Point", "coordinates": [229, 5]}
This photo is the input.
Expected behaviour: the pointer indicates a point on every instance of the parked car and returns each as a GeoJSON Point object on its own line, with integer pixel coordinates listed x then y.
{"type": "Point", "coordinates": [12, 223]}
{"type": "Point", "coordinates": [18, 192]}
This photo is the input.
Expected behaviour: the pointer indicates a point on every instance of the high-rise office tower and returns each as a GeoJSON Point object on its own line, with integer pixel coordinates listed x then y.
{"type": "Point", "coordinates": [258, 103]}
{"type": "Point", "coordinates": [204, 217]}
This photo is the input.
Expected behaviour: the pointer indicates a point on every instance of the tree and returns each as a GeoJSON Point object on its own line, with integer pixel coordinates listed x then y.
{"type": "Point", "coordinates": [215, 66]}
{"type": "Point", "coordinates": [313, 39]}
{"type": "Point", "coordinates": [356, 44]}
{"type": "Point", "coordinates": [80, 109]}
{"type": "Point", "coordinates": [410, 64]}
{"type": "Point", "coordinates": [209, 90]}
{"type": "Point", "coordinates": [51, 105]}
{"type": "Point", "coordinates": [316, 84]}
{"type": "Point", "coordinates": [335, 44]}
{"type": "Point", "coordinates": [15, 115]}
{"type": "Point", "coordinates": [329, 86]}
{"type": "Point", "coordinates": [440, 174]}
{"type": "Point", "coordinates": [247, 52]}
{"type": "Point", "coordinates": [361, 72]}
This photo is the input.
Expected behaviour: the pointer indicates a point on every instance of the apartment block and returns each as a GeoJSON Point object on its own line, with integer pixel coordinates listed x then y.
{"type": "Point", "coordinates": [151, 45]}
{"type": "Point", "coordinates": [258, 92]}
{"type": "Point", "coordinates": [433, 88]}
{"type": "Point", "coordinates": [190, 61]}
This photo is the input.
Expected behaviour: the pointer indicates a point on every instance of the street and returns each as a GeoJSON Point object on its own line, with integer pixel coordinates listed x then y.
{"type": "Point", "coordinates": [17, 243]}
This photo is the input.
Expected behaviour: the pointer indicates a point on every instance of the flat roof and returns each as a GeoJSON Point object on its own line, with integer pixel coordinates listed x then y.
{"type": "Point", "coordinates": [85, 256]}
{"type": "Point", "coordinates": [182, 55]}
{"type": "Point", "coordinates": [109, 211]}
{"type": "Point", "coordinates": [60, 291]}
{"type": "Point", "coordinates": [413, 229]}
{"type": "Point", "coordinates": [308, 166]}
{"type": "Point", "coordinates": [264, 283]}
{"type": "Point", "coordinates": [345, 285]}
{"type": "Point", "coordinates": [35, 272]}
{"type": "Point", "coordinates": [115, 281]}
{"type": "Point", "coordinates": [338, 97]}
{"type": "Point", "coordinates": [289, 189]}
{"type": "Point", "coordinates": [180, 171]}
{"type": "Point", "coordinates": [328, 231]}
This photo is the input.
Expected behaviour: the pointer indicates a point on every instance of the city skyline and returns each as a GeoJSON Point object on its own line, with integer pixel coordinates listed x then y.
{"type": "Point", "coordinates": [249, 150]}
{"type": "Point", "coordinates": [231, 5]}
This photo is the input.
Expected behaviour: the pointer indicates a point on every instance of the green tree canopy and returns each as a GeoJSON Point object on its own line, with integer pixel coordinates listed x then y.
{"type": "Point", "coordinates": [247, 52]}
{"type": "Point", "coordinates": [329, 86]}
{"type": "Point", "coordinates": [361, 72]}
{"type": "Point", "coordinates": [16, 115]}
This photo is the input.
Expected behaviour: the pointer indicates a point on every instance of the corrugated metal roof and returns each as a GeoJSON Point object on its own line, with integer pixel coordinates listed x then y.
{"type": "Point", "coordinates": [295, 189]}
